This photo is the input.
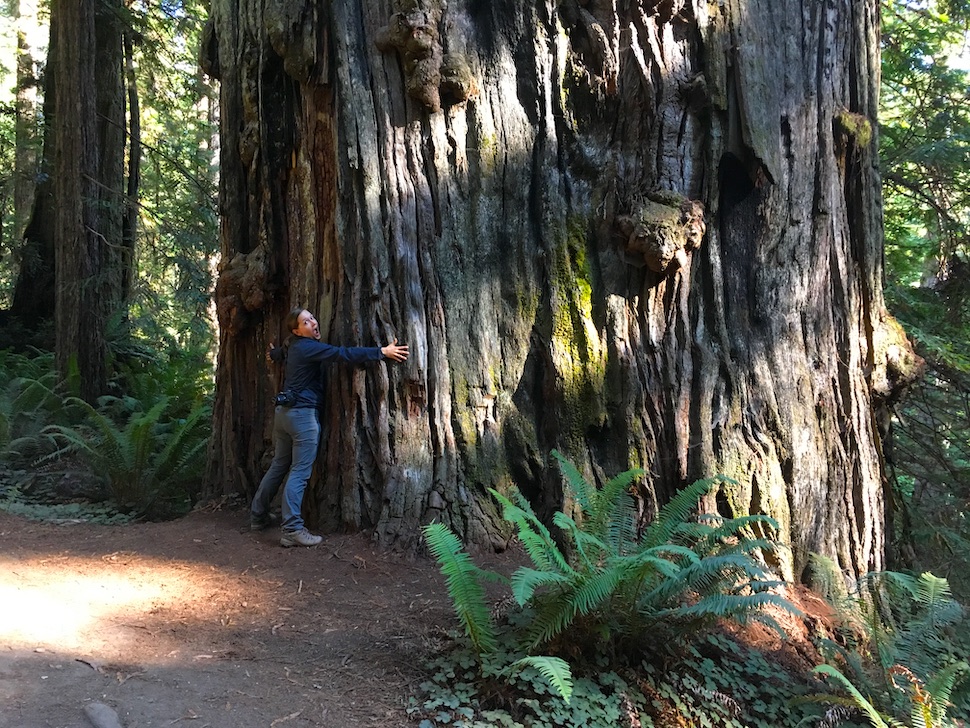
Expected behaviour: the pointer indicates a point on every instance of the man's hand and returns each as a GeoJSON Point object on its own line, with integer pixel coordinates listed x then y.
{"type": "Point", "coordinates": [394, 352]}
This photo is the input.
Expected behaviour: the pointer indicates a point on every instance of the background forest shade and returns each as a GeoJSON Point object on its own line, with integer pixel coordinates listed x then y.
{"type": "Point", "coordinates": [175, 254]}
{"type": "Point", "coordinates": [924, 133]}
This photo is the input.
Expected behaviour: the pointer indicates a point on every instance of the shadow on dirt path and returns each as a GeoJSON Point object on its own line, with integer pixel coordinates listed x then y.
{"type": "Point", "coordinates": [200, 623]}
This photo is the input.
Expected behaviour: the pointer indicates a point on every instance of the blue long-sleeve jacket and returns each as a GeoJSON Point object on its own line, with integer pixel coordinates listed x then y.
{"type": "Point", "coordinates": [304, 360]}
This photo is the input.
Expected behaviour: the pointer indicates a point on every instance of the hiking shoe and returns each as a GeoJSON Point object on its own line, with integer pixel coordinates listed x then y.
{"type": "Point", "coordinates": [299, 538]}
{"type": "Point", "coordinates": [261, 523]}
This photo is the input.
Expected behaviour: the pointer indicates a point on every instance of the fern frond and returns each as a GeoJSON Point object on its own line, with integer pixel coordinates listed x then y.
{"type": "Point", "coordinates": [552, 616]}
{"type": "Point", "coordinates": [557, 611]}
{"type": "Point", "coordinates": [839, 702]}
{"type": "Point", "coordinates": [648, 568]}
{"type": "Point", "coordinates": [933, 595]}
{"type": "Point", "coordinates": [526, 581]}
{"type": "Point", "coordinates": [608, 513]}
{"type": "Point", "coordinates": [554, 669]}
{"type": "Point", "coordinates": [727, 529]}
{"type": "Point", "coordinates": [467, 594]}
{"type": "Point", "coordinates": [676, 512]}
{"type": "Point", "coordinates": [183, 447]}
{"type": "Point", "coordinates": [590, 548]}
{"type": "Point", "coordinates": [941, 687]}
{"type": "Point", "coordinates": [584, 491]}
{"type": "Point", "coordinates": [614, 506]}
{"type": "Point", "coordinates": [858, 699]}
{"type": "Point", "coordinates": [739, 608]}
{"type": "Point", "coordinates": [726, 578]}
{"type": "Point", "coordinates": [720, 572]}
{"type": "Point", "coordinates": [535, 537]}
{"type": "Point", "coordinates": [596, 589]}
{"type": "Point", "coordinates": [910, 629]}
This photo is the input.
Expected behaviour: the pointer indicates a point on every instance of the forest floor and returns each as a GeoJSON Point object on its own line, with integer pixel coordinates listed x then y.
{"type": "Point", "coordinates": [201, 623]}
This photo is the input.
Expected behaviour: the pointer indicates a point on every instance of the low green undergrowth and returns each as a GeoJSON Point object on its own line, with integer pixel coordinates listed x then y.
{"type": "Point", "coordinates": [14, 502]}
{"type": "Point", "coordinates": [715, 681]}
{"type": "Point", "coordinates": [608, 618]}
{"type": "Point", "coordinates": [911, 668]}
{"type": "Point", "coordinates": [146, 446]}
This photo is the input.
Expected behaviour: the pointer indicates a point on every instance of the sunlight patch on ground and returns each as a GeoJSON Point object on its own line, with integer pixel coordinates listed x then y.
{"type": "Point", "coordinates": [86, 605]}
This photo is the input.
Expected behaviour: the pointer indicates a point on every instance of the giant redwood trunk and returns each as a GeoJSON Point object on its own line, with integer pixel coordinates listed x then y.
{"type": "Point", "coordinates": [646, 233]}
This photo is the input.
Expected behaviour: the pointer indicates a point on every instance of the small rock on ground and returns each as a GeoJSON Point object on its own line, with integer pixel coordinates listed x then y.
{"type": "Point", "coordinates": [101, 716]}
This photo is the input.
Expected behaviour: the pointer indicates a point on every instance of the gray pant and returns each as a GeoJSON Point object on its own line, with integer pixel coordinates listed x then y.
{"type": "Point", "coordinates": [296, 436]}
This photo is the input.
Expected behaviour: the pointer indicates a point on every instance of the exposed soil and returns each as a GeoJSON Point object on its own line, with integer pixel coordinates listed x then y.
{"type": "Point", "coordinates": [199, 622]}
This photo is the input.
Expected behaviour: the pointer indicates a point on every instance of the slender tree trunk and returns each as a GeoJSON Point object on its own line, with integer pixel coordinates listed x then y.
{"type": "Point", "coordinates": [129, 223]}
{"type": "Point", "coordinates": [646, 234]}
{"type": "Point", "coordinates": [88, 135]}
{"type": "Point", "coordinates": [33, 298]}
{"type": "Point", "coordinates": [27, 133]}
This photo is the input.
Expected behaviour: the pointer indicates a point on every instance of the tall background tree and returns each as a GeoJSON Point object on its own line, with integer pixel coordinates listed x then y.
{"type": "Point", "coordinates": [645, 234]}
{"type": "Point", "coordinates": [119, 242]}
{"type": "Point", "coordinates": [26, 38]}
{"type": "Point", "coordinates": [89, 153]}
{"type": "Point", "coordinates": [925, 150]}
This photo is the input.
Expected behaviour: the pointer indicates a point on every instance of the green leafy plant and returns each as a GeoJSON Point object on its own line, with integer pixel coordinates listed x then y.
{"type": "Point", "coordinates": [30, 400]}
{"type": "Point", "coordinates": [613, 584]}
{"type": "Point", "coordinates": [13, 501]}
{"type": "Point", "coordinates": [147, 462]}
{"type": "Point", "coordinates": [911, 625]}
{"type": "Point", "coordinates": [464, 587]}
{"type": "Point", "coordinates": [678, 574]}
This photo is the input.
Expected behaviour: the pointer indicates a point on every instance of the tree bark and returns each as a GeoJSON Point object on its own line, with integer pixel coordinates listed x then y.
{"type": "Point", "coordinates": [26, 130]}
{"type": "Point", "coordinates": [33, 298]}
{"type": "Point", "coordinates": [88, 169]}
{"type": "Point", "coordinates": [646, 234]}
{"type": "Point", "coordinates": [129, 222]}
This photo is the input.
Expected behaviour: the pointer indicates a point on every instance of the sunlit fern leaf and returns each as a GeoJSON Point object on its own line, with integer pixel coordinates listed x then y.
{"type": "Point", "coordinates": [933, 595]}
{"type": "Point", "coordinates": [911, 631]}
{"type": "Point", "coordinates": [464, 587]}
{"type": "Point", "coordinates": [554, 669]}
{"type": "Point", "coordinates": [533, 534]}
{"type": "Point", "coordinates": [845, 708]}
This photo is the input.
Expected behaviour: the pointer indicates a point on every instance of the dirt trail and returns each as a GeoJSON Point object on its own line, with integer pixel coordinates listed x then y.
{"type": "Point", "coordinates": [199, 623]}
